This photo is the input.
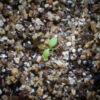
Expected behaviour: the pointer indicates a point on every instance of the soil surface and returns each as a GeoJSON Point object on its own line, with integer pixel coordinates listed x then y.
{"type": "Point", "coordinates": [72, 71]}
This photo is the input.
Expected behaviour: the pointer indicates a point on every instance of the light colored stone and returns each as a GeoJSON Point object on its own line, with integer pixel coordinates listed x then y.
{"type": "Point", "coordinates": [19, 27]}
{"type": "Point", "coordinates": [16, 60]}
{"type": "Point", "coordinates": [71, 80]}
{"type": "Point", "coordinates": [38, 21]}
{"type": "Point", "coordinates": [73, 50]}
{"type": "Point", "coordinates": [2, 31]}
{"type": "Point", "coordinates": [40, 91]}
{"type": "Point", "coordinates": [73, 91]}
{"type": "Point", "coordinates": [0, 91]}
{"type": "Point", "coordinates": [51, 17]}
{"type": "Point", "coordinates": [83, 57]}
{"type": "Point", "coordinates": [68, 44]}
{"type": "Point", "coordinates": [59, 63]}
{"type": "Point", "coordinates": [14, 71]}
{"type": "Point", "coordinates": [3, 56]}
{"type": "Point", "coordinates": [1, 23]}
{"type": "Point", "coordinates": [38, 59]}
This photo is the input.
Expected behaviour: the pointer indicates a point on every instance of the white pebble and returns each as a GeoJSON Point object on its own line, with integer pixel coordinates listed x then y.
{"type": "Point", "coordinates": [75, 23]}
{"type": "Point", "coordinates": [38, 21]}
{"type": "Point", "coordinates": [84, 74]}
{"type": "Point", "coordinates": [73, 50]}
{"type": "Point", "coordinates": [68, 44]}
{"type": "Point", "coordinates": [57, 18]}
{"type": "Point", "coordinates": [0, 91]}
{"type": "Point", "coordinates": [33, 90]}
{"type": "Point", "coordinates": [71, 80]}
{"type": "Point", "coordinates": [79, 49]}
{"type": "Point", "coordinates": [19, 27]}
{"type": "Point", "coordinates": [3, 38]}
{"type": "Point", "coordinates": [80, 23]}
{"type": "Point", "coordinates": [72, 58]}
{"type": "Point", "coordinates": [69, 1]}
{"type": "Point", "coordinates": [72, 19]}
{"type": "Point", "coordinates": [65, 53]}
{"type": "Point", "coordinates": [3, 56]}
{"type": "Point", "coordinates": [46, 5]}
{"type": "Point", "coordinates": [40, 10]}
{"type": "Point", "coordinates": [3, 70]}
{"type": "Point", "coordinates": [27, 64]}
{"type": "Point", "coordinates": [45, 96]}
{"type": "Point", "coordinates": [67, 58]}
{"type": "Point", "coordinates": [73, 38]}
{"type": "Point", "coordinates": [83, 19]}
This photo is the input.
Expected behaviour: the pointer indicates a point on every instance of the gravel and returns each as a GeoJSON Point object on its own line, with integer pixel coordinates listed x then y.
{"type": "Point", "coordinates": [72, 71]}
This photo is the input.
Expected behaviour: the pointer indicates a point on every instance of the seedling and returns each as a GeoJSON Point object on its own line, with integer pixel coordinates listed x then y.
{"type": "Point", "coordinates": [52, 43]}
{"type": "Point", "coordinates": [46, 53]}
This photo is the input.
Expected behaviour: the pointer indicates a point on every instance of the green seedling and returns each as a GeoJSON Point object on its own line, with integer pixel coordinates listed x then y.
{"type": "Point", "coordinates": [46, 53]}
{"type": "Point", "coordinates": [52, 43]}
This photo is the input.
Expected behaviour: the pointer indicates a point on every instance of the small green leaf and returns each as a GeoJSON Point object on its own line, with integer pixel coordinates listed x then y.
{"type": "Point", "coordinates": [52, 42]}
{"type": "Point", "coordinates": [46, 53]}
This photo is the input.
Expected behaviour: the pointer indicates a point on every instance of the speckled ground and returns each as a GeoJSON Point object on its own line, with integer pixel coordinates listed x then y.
{"type": "Point", "coordinates": [72, 71]}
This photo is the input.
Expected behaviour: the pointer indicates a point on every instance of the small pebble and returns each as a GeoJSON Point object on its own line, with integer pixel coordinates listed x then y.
{"type": "Point", "coordinates": [45, 96]}
{"type": "Point", "coordinates": [3, 70]}
{"type": "Point", "coordinates": [83, 57]}
{"type": "Point", "coordinates": [55, 3]}
{"type": "Point", "coordinates": [73, 50]}
{"type": "Point", "coordinates": [17, 60]}
{"type": "Point", "coordinates": [3, 56]}
{"type": "Point", "coordinates": [59, 63]}
{"type": "Point", "coordinates": [14, 71]}
{"type": "Point", "coordinates": [71, 72]}
{"type": "Point", "coordinates": [40, 91]}
{"type": "Point", "coordinates": [41, 10]}
{"type": "Point", "coordinates": [0, 91]}
{"type": "Point", "coordinates": [19, 27]}
{"type": "Point", "coordinates": [38, 59]}
{"type": "Point", "coordinates": [4, 97]}
{"type": "Point", "coordinates": [2, 31]}
{"type": "Point", "coordinates": [71, 80]}
{"type": "Point", "coordinates": [68, 44]}
{"type": "Point", "coordinates": [1, 23]}
{"type": "Point", "coordinates": [79, 49]}
{"type": "Point", "coordinates": [73, 91]}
